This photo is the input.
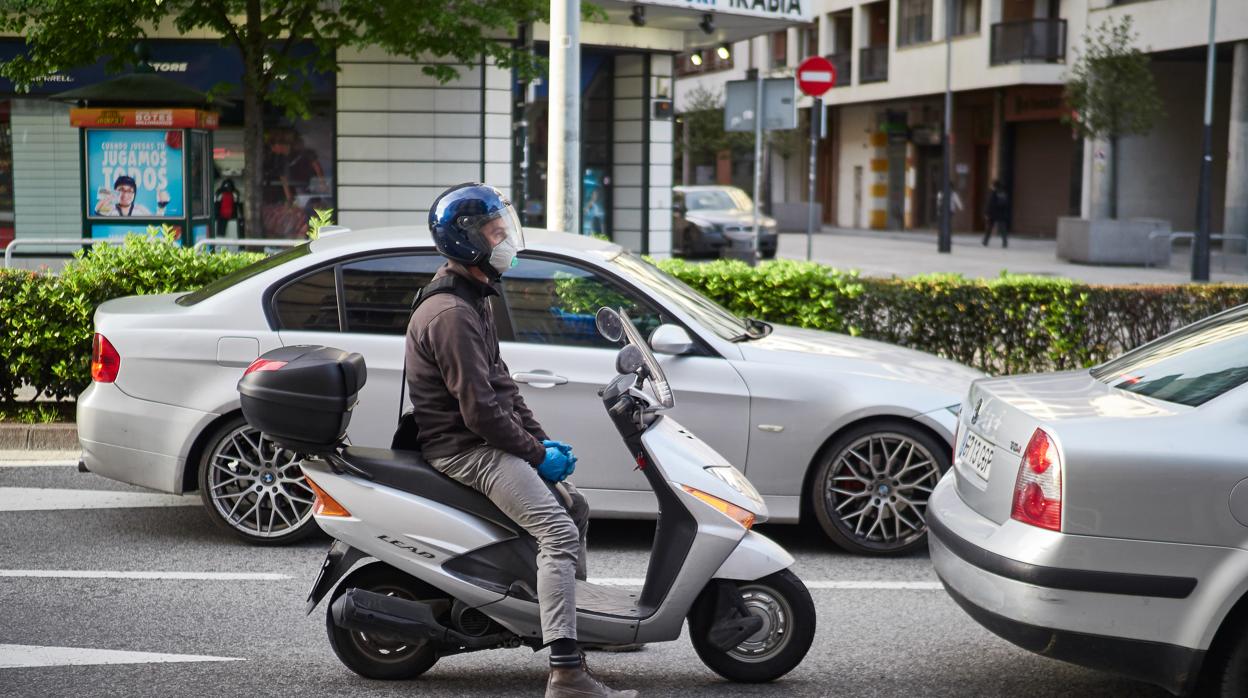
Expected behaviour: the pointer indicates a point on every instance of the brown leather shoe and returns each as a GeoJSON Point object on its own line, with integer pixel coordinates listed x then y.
{"type": "Point", "coordinates": [578, 682]}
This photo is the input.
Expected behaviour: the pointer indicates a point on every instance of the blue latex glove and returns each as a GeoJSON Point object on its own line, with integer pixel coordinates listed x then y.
{"type": "Point", "coordinates": [567, 451]}
{"type": "Point", "coordinates": [557, 465]}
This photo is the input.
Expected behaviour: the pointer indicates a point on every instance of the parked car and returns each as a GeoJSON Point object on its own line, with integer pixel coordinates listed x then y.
{"type": "Point", "coordinates": [852, 432]}
{"type": "Point", "coordinates": [708, 219]}
{"type": "Point", "coordinates": [1101, 516]}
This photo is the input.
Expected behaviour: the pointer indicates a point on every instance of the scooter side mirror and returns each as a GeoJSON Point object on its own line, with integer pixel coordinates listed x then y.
{"type": "Point", "coordinates": [629, 360]}
{"type": "Point", "coordinates": [609, 323]}
{"type": "Point", "coordinates": [671, 339]}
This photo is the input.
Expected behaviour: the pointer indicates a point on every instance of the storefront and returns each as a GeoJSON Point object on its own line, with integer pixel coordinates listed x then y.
{"type": "Point", "coordinates": [40, 166]}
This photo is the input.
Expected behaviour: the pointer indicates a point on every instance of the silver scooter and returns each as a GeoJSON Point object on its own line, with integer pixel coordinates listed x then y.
{"type": "Point", "coordinates": [423, 567]}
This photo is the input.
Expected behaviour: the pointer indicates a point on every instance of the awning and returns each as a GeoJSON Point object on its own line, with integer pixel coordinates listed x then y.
{"type": "Point", "coordinates": [730, 20]}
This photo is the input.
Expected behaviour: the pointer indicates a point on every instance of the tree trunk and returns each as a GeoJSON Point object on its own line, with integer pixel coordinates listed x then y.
{"type": "Point", "coordinates": [253, 159]}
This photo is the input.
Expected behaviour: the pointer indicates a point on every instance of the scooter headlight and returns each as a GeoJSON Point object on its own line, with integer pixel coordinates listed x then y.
{"type": "Point", "coordinates": [736, 480]}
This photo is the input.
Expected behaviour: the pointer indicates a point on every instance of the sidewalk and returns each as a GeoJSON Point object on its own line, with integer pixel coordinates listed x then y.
{"type": "Point", "coordinates": [904, 254]}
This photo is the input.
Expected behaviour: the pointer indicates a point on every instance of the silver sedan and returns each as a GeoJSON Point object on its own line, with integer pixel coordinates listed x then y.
{"type": "Point", "coordinates": [849, 432]}
{"type": "Point", "coordinates": [1101, 516]}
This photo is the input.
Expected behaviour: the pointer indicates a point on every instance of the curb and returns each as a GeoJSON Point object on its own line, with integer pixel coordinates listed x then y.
{"type": "Point", "coordinates": [39, 437]}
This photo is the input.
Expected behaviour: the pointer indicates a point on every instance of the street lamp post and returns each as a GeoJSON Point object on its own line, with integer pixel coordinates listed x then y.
{"type": "Point", "coordinates": [563, 150]}
{"type": "Point", "coordinates": [944, 241]}
{"type": "Point", "coordinates": [1200, 246]}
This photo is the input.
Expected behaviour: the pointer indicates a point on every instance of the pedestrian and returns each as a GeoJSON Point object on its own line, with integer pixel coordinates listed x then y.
{"type": "Point", "coordinates": [228, 207]}
{"type": "Point", "coordinates": [997, 213]}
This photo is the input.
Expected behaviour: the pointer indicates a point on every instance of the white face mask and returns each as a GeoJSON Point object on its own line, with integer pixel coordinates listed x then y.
{"type": "Point", "coordinates": [503, 256]}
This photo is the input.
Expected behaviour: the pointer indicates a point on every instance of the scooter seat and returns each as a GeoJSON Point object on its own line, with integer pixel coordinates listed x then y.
{"type": "Point", "coordinates": [408, 471]}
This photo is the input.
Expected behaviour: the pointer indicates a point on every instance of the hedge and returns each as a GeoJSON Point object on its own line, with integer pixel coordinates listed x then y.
{"type": "Point", "coordinates": [1007, 325]}
{"type": "Point", "coordinates": [1011, 324]}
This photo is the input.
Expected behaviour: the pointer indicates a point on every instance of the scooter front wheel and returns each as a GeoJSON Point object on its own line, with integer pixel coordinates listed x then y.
{"type": "Point", "coordinates": [375, 655]}
{"type": "Point", "coordinates": [788, 629]}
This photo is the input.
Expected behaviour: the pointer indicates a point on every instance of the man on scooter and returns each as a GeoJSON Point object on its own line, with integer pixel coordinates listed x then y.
{"type": "Point", "coordinates": [475, 427]}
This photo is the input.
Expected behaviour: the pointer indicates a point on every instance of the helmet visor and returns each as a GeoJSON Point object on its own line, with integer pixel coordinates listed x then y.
{"type": "Point", "coordinates": [501, 225]}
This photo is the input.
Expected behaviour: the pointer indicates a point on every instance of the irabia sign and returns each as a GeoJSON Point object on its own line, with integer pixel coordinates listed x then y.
{"type": "Point", "coordinates": [794, 10]}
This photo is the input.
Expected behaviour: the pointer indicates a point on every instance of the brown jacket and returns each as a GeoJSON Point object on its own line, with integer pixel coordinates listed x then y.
{"type": "Point", "coordinates": [462, 393]}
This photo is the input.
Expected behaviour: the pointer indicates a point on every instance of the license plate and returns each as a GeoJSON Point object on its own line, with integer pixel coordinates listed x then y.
{"type": "Point", "coordinates": [976, 454]}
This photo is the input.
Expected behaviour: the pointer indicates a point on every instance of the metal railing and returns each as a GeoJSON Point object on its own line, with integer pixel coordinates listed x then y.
{"type": "Point", "coordinates": [844, 64]}
{"type": "Point", "coordinates": [1029, 41]}
{"type": "Point", "coordinates": [82, 242]}
{"type": "Point", "coordinates": [873, 64]}
{"type": "Point", "coordinates": [247, 242]}
{"type": "Point", "coordinates": [85, 242]}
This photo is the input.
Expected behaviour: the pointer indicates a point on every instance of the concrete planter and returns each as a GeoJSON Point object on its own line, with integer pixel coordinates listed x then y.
{"type": "Point", "coordinates": [39, 437]}
{"type": "Point", "coordinates": [1112, 241]}
{"type": "Point", "coordinates": [792, 216]}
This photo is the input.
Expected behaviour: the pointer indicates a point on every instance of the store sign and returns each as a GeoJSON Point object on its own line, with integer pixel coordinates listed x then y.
{"type": "Point", "coordinates": [143, 118]}
{"type": "Point", "coordinates": [134, 173]}
{"type": "Point", "coordinates": [1034, 103]}
{"type": "Point", "coordinates": [794, 10]}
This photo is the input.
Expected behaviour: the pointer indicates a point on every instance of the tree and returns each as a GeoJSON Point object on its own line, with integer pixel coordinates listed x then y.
{"type": "Point", "coordinates": [1111, 93]}
{"type": "Point", "coordinates": [705, 137]}
{"type": "Point", "coordinates": [62, 34]}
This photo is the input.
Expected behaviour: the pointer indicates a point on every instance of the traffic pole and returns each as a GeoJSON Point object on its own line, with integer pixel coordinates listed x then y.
{"type": "Point", "coordinates": [563, 148]}
{"type": "Point", "coordinates": [816, 117]}
{"type": "Point", "coordinates": [752, 259]}
{"type": "Point", "coordinates": [944, 242]}
{"type": "Point", "coordinates": [1200, 246]}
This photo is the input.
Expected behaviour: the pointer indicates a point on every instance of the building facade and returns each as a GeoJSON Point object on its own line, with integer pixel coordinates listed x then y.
{"type": "Point", "coordinates": [879, 165]}
{"type": "Point", "coordinates": [385, 138]}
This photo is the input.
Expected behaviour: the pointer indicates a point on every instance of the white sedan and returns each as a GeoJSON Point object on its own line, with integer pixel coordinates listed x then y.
{"type": "Point", "coordinates": [850, 432]}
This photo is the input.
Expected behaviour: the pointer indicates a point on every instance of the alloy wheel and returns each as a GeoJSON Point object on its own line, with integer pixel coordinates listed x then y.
{"type": "Point", "coordinates": [877, 487]}
{"type": "Point", "coordinates": [257, 487]}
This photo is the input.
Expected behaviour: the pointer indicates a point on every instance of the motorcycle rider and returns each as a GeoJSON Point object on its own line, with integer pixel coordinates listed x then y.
{"type": "Point", "coordinates": [474, 426]}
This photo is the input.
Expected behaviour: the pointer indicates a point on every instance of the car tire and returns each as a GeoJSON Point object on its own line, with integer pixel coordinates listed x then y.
{"type": "Point", "coordinates": [376, 656]}
{"type": "Point", "coordinates": [784, 603]}
{"type": "Point", "coordinates": [254, 489]}
{"type": "Point", "coordinates": [871, 486]}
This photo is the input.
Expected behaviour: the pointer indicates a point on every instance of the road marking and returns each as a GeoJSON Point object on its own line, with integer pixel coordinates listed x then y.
{"type": "Point", "coordinates": [38, 464]}
{"type": "Point", "coordinates": [24, 656]}
{"type": "Point", "coordinates": [118, 574]}
{"type": "Point", "coordinates": [51, 499]}
{"type": "Point", "coordinates": [817, 584]}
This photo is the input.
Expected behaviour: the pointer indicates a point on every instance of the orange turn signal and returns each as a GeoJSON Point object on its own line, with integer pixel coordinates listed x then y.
{"type": "Point", "coordinates": [325, 505]}
{"type": "Point", "coordinates": [728, 509]}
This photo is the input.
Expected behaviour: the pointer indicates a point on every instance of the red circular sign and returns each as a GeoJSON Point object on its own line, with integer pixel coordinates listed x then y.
{"type": "Point", "coordinates": [816, 75]}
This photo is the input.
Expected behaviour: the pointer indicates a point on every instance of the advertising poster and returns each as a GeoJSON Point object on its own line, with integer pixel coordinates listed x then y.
{"type": "Point", "coordinates": [134, 173]}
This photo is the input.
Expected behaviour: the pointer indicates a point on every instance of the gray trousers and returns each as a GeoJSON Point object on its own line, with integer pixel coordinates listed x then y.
{"type": "Point", "coordinates": [557, 516]}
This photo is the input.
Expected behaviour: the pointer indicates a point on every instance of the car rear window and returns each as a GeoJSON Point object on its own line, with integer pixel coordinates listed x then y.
{"type": "Point", "coordinates": [243, 274]}
{"type": "Point", "coordinates": [1190, 366]}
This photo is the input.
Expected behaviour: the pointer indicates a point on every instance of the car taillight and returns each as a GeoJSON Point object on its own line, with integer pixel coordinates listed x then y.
{"type": "Point", "coordinates": [1038, 489]}
{"type": "Point", "coordinates": [264, 365]}
{"type": "Point", "coordinates": [105, 361]}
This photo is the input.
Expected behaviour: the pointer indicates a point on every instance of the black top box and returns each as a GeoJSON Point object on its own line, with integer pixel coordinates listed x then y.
{"type": "Point", "coordinates": [301, 397]}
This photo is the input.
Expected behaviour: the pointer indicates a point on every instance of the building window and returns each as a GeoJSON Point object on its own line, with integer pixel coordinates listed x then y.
{"type": "Point", "coordinates": [779, 49]}
{"type": "Point", "coordinates": [810, 40]}
{"type": "Point", "coordinates": [914, 22]}
{"type": "Point", "coordinates": [965, 17]}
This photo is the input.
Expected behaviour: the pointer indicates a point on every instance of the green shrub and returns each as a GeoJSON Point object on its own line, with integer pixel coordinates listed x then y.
{"type": "Point", "coordinates": [1011, 324]}
{"type": "Point", "coordinates": [48, 320]}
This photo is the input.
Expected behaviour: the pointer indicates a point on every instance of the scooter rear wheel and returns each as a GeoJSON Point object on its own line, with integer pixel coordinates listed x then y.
{"type": "Point", "coordinates": [788, 614]}
{"type": "Point", "coordinates": [379, 656]}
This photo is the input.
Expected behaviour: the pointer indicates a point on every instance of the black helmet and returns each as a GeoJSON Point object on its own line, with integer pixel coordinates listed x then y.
{"type": "Point", "coordinates": [462, 223]}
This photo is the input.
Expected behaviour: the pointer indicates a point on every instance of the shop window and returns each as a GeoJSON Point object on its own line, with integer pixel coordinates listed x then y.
{"type": "Point", "coordinates": [309, 304]}
{"type": "Point", "coordinates": [378, 293]}
{"type": "Point", "coordinates": [914, 22]}
{"type": "Point", "coordinates": [297, 172]}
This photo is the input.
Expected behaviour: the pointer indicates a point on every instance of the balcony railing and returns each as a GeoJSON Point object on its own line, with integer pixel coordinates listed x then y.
{"type": "Point", "coordinates": [844, 64]}
{"type": "Point", "coordinates": [873, 64]}
{"type": "Point", "coordinates": [1029, 41]}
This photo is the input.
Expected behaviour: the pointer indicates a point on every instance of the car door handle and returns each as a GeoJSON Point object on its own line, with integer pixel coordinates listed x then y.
{"type": "Point", "coordinates": [539, 378]}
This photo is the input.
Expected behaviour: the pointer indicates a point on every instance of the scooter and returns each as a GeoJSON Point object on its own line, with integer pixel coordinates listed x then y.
{"type": "Point", "coordinates": [423, 567]}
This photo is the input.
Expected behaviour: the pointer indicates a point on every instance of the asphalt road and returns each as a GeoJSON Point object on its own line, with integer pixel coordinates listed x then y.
{"type": "Point", "coordinates": [252, 638]}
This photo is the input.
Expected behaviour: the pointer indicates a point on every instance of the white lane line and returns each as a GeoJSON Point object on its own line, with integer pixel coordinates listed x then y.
{"type": "Point", "coordinates": [24, 656]}
{"type": "Point", "coordinates": [38, 464]}
{"type": "Point", "coordinates": [119, 574]}
{"type": "Point", "coordinates": [821, 584]}
{"type": "Point", "coordinates": [50, 499]}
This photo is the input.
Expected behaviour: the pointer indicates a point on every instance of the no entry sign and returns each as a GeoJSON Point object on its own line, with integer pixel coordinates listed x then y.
{"type": "Point", "coordinates": [816, 75]}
